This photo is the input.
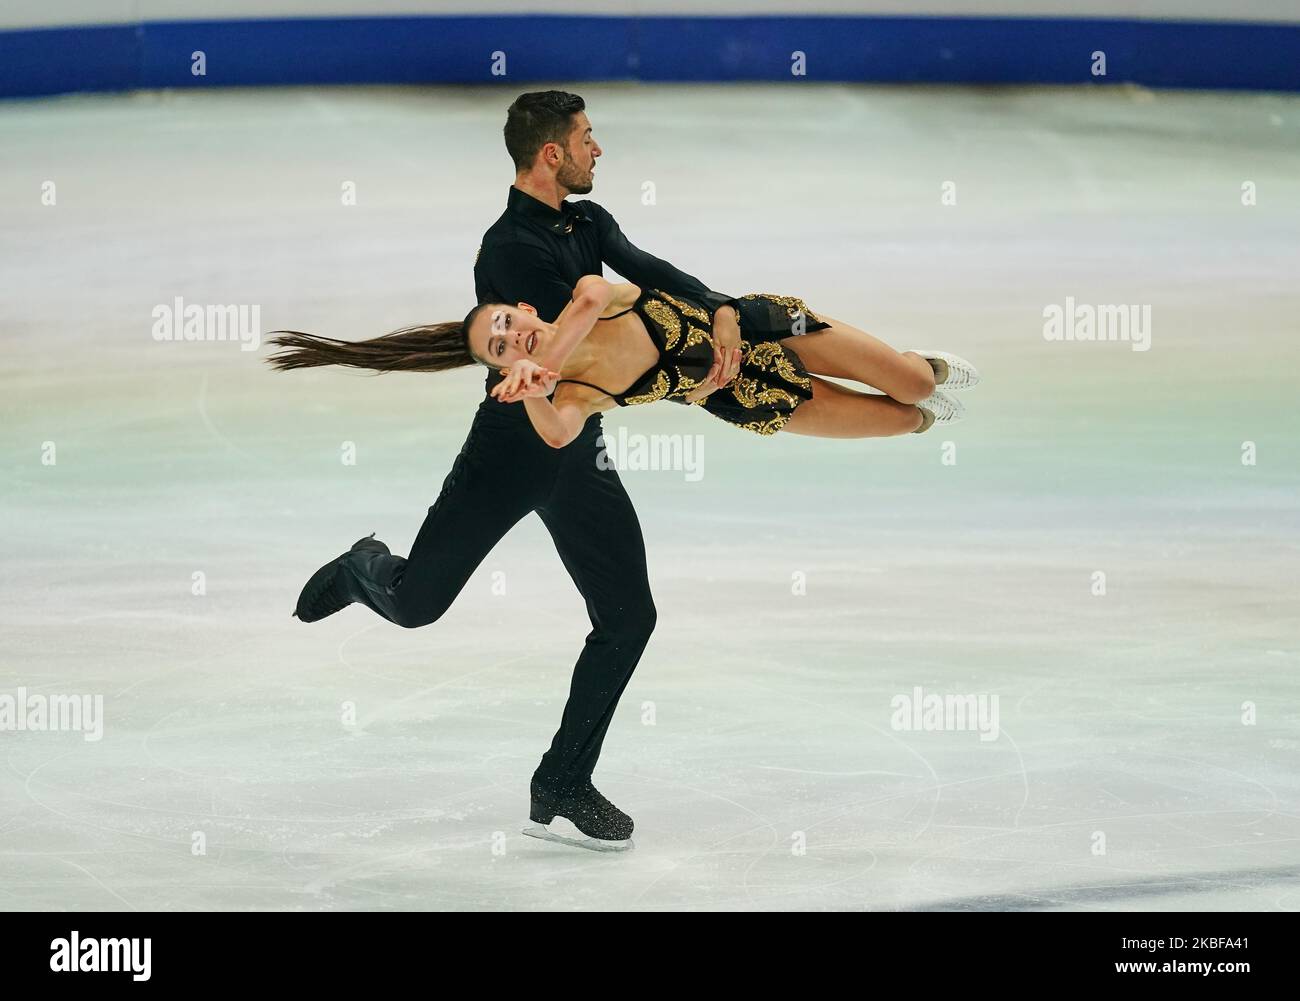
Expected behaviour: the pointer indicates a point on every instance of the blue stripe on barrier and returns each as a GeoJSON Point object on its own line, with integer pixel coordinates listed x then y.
{"type": "Point", "coordinates": [386, 50]}
{"type": "Point", "coordinates": [577, 48]}
{"type": "Point", "coordinates": [54, 60]}
{"type": "Point", "coordinates": [974, 50]}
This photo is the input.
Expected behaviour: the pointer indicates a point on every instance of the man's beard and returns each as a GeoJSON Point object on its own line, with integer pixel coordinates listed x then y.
{"type": "Point", "coordinates": [575, 181]}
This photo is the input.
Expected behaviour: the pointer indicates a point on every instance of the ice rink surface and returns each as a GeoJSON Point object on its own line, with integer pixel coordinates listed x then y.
{"type": "Point", "coordinates": [1147, 753]}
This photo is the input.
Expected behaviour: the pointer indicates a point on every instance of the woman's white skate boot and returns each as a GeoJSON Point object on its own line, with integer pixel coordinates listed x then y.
{"type": "Point", "coordinates": [939, 408]}
{"type": "Point", "coordinates": [959, 374]}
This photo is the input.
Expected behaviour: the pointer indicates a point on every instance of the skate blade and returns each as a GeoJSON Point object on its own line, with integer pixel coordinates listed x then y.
{"type": "Point", "coordinates": [563, 832]}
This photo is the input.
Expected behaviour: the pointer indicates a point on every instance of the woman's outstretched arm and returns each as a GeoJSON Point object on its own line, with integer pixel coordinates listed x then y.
{"type": "Point", "coordinates": [591, 297]}
{"type": "Point", "coordinates": [556, 423]}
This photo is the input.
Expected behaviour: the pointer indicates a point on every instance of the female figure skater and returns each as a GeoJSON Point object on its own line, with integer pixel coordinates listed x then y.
{"type": "Point", "coordinates": [741, 363]}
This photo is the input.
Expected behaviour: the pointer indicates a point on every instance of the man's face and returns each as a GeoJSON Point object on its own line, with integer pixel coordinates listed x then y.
{"type": "Point", "coordinates": [577, 172]}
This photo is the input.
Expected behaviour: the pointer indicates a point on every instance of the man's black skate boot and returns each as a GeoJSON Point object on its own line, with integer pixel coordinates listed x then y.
{"type": "Point", "coordinates": [578, 816]}
{"type": "Point", "coordinates": [327, 591]}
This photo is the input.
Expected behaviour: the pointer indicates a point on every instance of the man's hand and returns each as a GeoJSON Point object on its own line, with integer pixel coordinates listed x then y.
{"type": "Point", "coordinates": [523, 379]}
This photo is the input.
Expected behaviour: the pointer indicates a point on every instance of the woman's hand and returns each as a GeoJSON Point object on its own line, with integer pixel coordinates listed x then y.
{"type": "Point", "coordinates": [726, 327]}
{"type": "Point", "coordinates": [727, 352]}
{"type": "Point", "coordinates": [725, 366]}
{"type": "Point", "coordinates": [525, 378]}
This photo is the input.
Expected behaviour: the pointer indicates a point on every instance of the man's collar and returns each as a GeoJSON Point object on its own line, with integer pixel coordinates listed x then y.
{"type": "Point", "coordinates": [560, 221]}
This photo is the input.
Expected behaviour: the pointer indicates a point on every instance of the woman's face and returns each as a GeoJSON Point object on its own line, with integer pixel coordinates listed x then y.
{"type": "Point", "coordinates": [501, 335]}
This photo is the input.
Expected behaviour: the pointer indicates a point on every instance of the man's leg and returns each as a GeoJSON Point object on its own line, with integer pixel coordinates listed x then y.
{"type": "Point", "coordinates": [598, 537]}
{"type": "Point", "coordinates": [501, 473]}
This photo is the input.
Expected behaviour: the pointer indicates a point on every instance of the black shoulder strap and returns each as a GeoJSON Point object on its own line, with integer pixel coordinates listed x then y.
{"type": "Point", "coordinates": [590, 385]}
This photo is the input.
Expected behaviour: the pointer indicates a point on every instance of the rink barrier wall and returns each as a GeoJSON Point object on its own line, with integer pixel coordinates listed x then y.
{"type": "Point", "coordinates": [661, 49]}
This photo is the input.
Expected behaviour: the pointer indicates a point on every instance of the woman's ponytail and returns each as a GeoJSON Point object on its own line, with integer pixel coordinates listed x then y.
{"type": "Point", "coordinates": [431, 347]}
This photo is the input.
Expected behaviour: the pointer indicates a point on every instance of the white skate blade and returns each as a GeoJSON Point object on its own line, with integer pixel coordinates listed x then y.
{"type": "Point", "coordinates": [562, 831]}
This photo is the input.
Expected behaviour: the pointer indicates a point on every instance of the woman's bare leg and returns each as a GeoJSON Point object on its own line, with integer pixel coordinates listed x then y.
{"type": "Point", "coordinates": [838, 412]}
{"type": "Point", "coordinates": [845, 352]}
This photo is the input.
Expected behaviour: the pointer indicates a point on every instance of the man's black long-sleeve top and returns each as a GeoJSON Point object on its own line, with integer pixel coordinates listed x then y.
{"type": "Point", "coordinates": [536, 254]}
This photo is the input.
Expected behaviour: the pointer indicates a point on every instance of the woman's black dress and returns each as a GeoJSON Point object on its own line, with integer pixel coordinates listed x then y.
{"type": "Point", "coordinates": [772, 380]}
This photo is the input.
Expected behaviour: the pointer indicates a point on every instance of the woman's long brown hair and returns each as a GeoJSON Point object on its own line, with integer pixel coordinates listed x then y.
{"type": "Point", "coordinates": [428, 347]}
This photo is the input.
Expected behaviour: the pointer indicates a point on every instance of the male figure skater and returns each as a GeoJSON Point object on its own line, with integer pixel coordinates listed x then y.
{"type": "Point", "coordinates": [535, 253]}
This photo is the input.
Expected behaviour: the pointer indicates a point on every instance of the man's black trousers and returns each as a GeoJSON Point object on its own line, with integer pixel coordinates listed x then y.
{"type": "Point", "coordinates": [503, 472]}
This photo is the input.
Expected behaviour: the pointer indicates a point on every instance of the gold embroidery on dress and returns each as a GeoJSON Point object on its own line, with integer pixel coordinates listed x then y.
{"type": "Point", "coordinates": [667, 320]}
{"type": "Point", "coordinates": [750, 392]}
{"type": "Point", "coordinates": [694, 335]}
{"type": "Point", "coordinates": [742, 388]}
{"type": "Point", "coordinates": [793, 305]}
{"type": "Point", "coordinates": [657, 392]}
{"type": "Point", "coordinates": [766, 427]}
{"type": "Point", "coordinates": [684, 384]}
{"type": "Point", "coordinates": [750, 396]}
{"type": "Point", "coordinates": [770, 356]}
{"type": "Point", "coordinates": [692, 311]}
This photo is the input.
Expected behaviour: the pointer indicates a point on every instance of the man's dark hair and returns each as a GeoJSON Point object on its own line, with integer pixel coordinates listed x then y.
{"type": "Point", "coordinates": [544, 116]}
